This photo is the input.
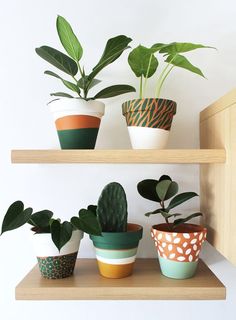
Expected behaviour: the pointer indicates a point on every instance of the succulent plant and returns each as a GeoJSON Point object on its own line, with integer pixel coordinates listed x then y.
{"type": "Point", "coordinates": [162, 190]}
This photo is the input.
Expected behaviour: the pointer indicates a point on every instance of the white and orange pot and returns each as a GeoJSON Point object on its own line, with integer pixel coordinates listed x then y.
{"type": "Point", "coordinates": [77, 122]}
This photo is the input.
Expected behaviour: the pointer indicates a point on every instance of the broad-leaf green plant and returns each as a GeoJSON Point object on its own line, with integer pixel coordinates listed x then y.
{"type": "Point", "coordinates": [144, 63]}
{"type": "Point", "coordinates": [70, 64]}
{"type": "Point", "coordinates": [162, 190]}
{"type": "Point", "coordinates": [43, 222]}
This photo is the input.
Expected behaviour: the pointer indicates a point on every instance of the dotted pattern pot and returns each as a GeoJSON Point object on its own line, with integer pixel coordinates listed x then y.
{"type": "Point", "coordinates": [178, 251]}
{"type": "Point", "coordinates": [77, 122]}
{"type": "Point", "coordinates": [52, 263]}
{"type": "Point", "coordinates": [116, 251]}
{"type": "Point", "coordinates": [149, 122]}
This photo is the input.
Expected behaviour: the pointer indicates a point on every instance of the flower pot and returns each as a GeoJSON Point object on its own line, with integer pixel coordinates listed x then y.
{"type": "Point", "coordinates": [116, 251]}
{"type": "Point", "coordinates": [52, 263]}
{"type": "Point", "coordinates": [77, 122]}
{"type": "Point", "coordinates": [178, 251]}
{"type": "Point", "coordinates": [149, 122]}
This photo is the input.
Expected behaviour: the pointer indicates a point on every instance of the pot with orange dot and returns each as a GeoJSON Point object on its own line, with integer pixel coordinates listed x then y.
{"type": "Point", "coordinates": [178, 250]}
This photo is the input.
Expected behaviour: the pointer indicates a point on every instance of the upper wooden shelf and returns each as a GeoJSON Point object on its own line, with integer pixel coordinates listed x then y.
{"type": "Point", "coordinates": [146, 283]}
{"type": "Point", "coordinates": [120, 156]}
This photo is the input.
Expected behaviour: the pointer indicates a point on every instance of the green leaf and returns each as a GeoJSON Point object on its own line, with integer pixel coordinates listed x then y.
{"type": "Point", "coordinates": [179, 47]}
{"type": "Point", "coordinates": [113, 91]}
{"type": "Point", "coordinates": [142, 61]}
{"type": "Point", "coordinates": [113, 49]}
{"type": "Point", "coordinates": [61, 233]}
{"type": "Point", "coordinates": [180, 198]}
{"type": "Point", "coordinates": [157, 47]}
{"type": "Point", "coordinates": [147, 189]}
{"type": "Point", "coordinates": [166, 189]}
{"type": "Point", "coordinates": [68, 84]}
{"type": "Point", "coordinates": [58, 59]}
{"type": "Point", "coordinates": [69, 39]}
{"type": "Point", "coordinates": [61, 94]}
{"type": "Point", "coordinates": [87, 222]}
{"type": "Point", "coordinates": [84, 82]}
{"type": "Point", "coordinates": [41, 219]}
{"type": "Point", "coordinates": [92, 208]}
{"type": "Point", "coordinates": [182, 62]}
{"type": "Point", "coordinates": [177, 222]}
{"type": "Point", "coordinates": [16, 216]}
{"type": "Point", "coordinates": [148, 214]}
{"type": "Point", "coordinates": [166, 215]}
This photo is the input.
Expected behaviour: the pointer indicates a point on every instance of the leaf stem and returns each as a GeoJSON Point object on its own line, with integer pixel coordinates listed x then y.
{"type": "Point", "coordinates": [162, 82]}
{"type": "Point", "coordinates": [147, 73]}
{"type": "Point", "coordinates": [141, 88]}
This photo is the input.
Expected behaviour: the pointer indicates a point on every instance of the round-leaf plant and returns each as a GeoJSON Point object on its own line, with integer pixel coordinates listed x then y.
{"type": "Point", "coordinates": [144, 63]}
{"type": "Point", "coordinates": [71, 64]}
{"type": "Point", "coordinates": [162, 190]}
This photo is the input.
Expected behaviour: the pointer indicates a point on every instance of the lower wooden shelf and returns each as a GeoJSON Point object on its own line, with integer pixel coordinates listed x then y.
{"type": "Point", "coordinates": [146, 283]}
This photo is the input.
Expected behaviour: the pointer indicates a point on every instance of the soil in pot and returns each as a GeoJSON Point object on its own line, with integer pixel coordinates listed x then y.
{"type": "Point", "coordinates": [149, 122]}
{"type": "Point", "coordinates": [178, 251]}
{"type": "Point", "coordinates": [116, 251]}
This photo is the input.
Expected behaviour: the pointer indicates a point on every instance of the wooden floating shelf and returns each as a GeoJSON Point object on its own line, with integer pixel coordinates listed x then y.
{"type": "Point", "coordinates": [146, 283]}
{"type": "Point", "coordinates": [193, 156]}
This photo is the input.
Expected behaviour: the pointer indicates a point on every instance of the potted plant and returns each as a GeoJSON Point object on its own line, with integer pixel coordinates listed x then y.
{"type": "Point", "coordinates": [178, 243]}
{"type": "Point", "coordinates": [77, 116]}
{"type": "Point", "coordinates": [149, 119]}
{"type": "Point", "coordinates": [117, 246]}
{"type": "Point", "coordinates": [56, 244]}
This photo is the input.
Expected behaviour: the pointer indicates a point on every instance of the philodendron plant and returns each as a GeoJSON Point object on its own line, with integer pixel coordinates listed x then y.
{"type": "Point", "coordinates": [71, 64]}
{"type": "Point", "coordinates": [144, 63]}
{"type": "Point", "coordinates": [43, 222]}
{"type": "Point", "coordinates": [162, 190]}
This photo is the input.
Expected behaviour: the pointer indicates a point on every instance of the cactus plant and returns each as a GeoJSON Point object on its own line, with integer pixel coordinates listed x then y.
{"type": "Point", "coordinates": [112, 208]}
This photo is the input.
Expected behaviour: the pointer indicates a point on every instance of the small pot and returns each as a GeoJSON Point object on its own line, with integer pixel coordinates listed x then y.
{"type": "Point", "coordinates": [149, 122]}
{"type": "Point", "coordinates": [178, 251]}
{"type": "Point", "coordinates": [52, 263]}
{"type": "Point", "coordinates": [77, 122]}
{"type": "Point", "coordinates": [116, 251]}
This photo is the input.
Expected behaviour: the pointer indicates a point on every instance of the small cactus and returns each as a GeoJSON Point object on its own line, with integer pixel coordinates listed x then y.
{"type": "Point", "coordinates": [112, 208]}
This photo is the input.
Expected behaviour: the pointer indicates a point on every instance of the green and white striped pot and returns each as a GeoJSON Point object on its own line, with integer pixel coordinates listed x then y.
{"type": "Point", "coordinates": [178, 251]}
{"type": "Point", "coordinates": [77, 122]}
{"type": "Point", "coordinates": [116, 251]}
{"type": "Point", "coordinates": [52, 263]}
{"type": "Point", "coordinates": [149, 122]}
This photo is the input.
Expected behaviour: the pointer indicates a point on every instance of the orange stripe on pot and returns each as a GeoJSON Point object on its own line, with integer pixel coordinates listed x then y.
{"type": "Point", "coordinates": [115, 271]}
{"type": "Point", "coordinates": [77, 122]}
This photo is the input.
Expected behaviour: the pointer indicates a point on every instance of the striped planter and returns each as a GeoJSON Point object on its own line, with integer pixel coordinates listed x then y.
{"type": "Point", "coordinates": [149, 122]}
{"type": "Point", "coordinates": [77, 122]}
{"type": "Point", "coordinates": [116, 251]}
{"type": "Point", "coordinates": [178, 251]}
{"type": "Point", "coordinates": [52, 263]}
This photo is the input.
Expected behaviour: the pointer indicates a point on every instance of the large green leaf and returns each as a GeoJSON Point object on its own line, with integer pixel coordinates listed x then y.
{"type": "Point", "coordinates": [69, 39]}
{"type": "Point", "coordinates": [70, 85]}
{"type": "Point", "coordinates": [177, 222]}
{"type": "Point", "coordinates": [113, 49]}
{"type": "Point", "coordinates": [16, 216]}
{"type": "Point", "coordinates": [61, 233]}
{"type": "Point", "coordinates": [87, 222]}
{"type": "Point", "coordinates": [147, 189]}
{"type": "Point", "coordinates": [180, 198]}
{"type": "Point", "coordinates": [61, 94]}
{"type": "Point", "coordinates": [180, 47]}
{"type": "Point", "coordinates": [182, 62]}
{"type": "Point", "coordinates": [41, 219]}
{"type": "Point", "coordinates": [113, 91]}
{"type": "Point", "coordinates": [142, 61]}
{"type": "Point", "coordinates": [157, 47]}
{"type": "Point", "coordinates": [58, 59]}
{"type": "Point", "coordinates": [84, 82]}
{"type": "Point", "coordinates": [166, 189]}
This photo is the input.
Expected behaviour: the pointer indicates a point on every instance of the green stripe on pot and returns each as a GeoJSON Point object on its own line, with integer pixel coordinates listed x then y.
{"type": "Point", "coordinates": [116, 254]}
{"type": "Point", "coordinates": [84, 138]}
{"type": "Point", "coordinates": [177, 270]}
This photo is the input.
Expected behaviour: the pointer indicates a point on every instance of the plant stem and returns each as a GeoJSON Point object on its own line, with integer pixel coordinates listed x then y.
{"type": "Point", "coordinates": [160, 78]}
{"type": "Point", "coordinates": [162, 81]}
{"type": "Point", "coordinates": [141, 88]}
{"type": "Point", "coordinates": [146, 76]}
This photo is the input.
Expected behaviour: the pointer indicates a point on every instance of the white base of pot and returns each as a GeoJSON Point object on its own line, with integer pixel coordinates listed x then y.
{"type": "Point", "coordinates": [148, 138]}
{"type": "Point", "coordinates": [44, 246]}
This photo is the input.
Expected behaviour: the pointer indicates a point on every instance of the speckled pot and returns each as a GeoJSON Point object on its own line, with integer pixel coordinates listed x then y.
{"type": "Point", "coordinates": [178, 251]}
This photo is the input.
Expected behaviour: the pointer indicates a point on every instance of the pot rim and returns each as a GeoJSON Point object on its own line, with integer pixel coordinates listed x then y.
{"type": "Point", "coordinates": [137, 227]}
{"type": "Point", "coordinates": [150, 98]}
{"type": "Point", "coordinates": [193, 228]}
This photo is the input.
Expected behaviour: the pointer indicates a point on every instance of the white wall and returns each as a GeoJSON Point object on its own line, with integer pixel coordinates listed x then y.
{"type": "Point", "coordinates": [26, 123]}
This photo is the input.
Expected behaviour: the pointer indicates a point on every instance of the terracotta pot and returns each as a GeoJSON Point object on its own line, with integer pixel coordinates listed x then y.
{"type": "Point", "coordinates": [52, 263]}
{"type": "Point", "coordinates": [178, 251]}
{"type": "Point", "coordinates": [77, 122]}
{"type": "Point", "coordinates": [116, 251]}
{"type": "Point", "coordinates": [149, 122]}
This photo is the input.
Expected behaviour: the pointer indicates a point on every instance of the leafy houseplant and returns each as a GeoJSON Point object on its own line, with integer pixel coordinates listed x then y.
{"type": "Point", "coordinates": [178, 243]}
{"type": "Point", "coordinates": [149, 119]}
{"type": "Point", "coordinates": [117, 247]}
{"type": "Point", "coordinates": [56, 244]}
{"type": "Point", "coordinates": [78, 115]}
